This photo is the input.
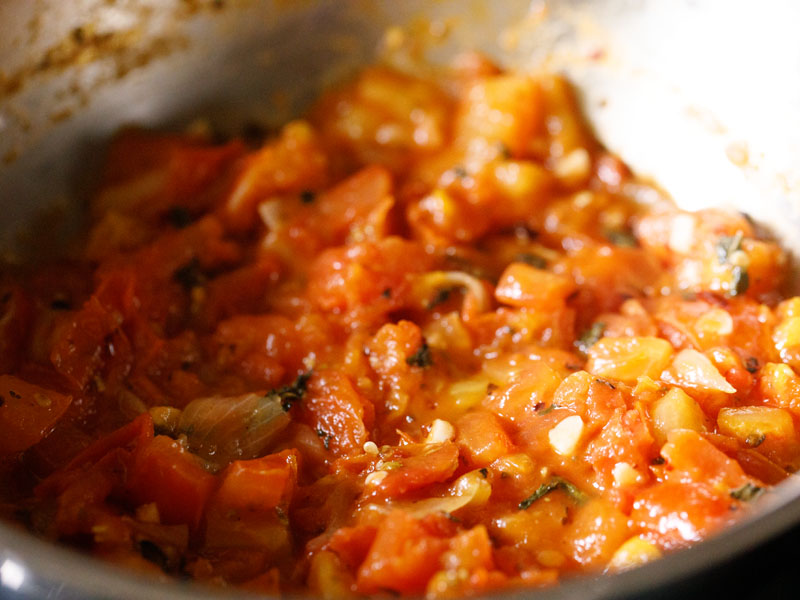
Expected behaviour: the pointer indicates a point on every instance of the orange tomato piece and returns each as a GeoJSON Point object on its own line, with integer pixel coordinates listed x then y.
{"type": "Point", "coordinates": [164, 473]}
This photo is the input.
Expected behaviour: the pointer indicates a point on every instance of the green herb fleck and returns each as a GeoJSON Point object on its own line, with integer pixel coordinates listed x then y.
{"type": "Point", "coordinates": [622, 237]}
{"type": "Point", "coordinates": [459, 171]}
{"type": "Point", "coordinates": [751, 364]}
{"type": "Point", "coordinates": [531, 259]}
{"type": "Point", "coordinates": [484, 472]}
{"type": "Point", "coordinates": [289, 394]}
{"type": "Point", "coordinates": [547, 409]}
{"type": "Point", "coordinates": [590, 337]}
{"type": "Point", "coordinates": [747, 493]}
{"type": "Point", "coordinates": [555, 483]}
{"type": "Point", "coordinates": [422, 357]}
{"type": "Point", "coordinates": [740, 281]}
{"type": "Point", "coordinates": [727, 245]}
{"type": "Point", "coordinates": [14, 394]}
{"type": "Point", "coordinates": [307, 196]}
{"type": "Point", "coordinates": [387, 293]}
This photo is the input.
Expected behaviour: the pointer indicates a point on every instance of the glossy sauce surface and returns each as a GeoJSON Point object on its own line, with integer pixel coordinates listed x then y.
{"type": "Point", "coordinates": [425, 341]}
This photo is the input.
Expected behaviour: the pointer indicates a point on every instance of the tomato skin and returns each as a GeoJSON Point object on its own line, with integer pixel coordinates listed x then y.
{"type": "Point", "coordinates": [164, 473]}
{"type": "Point", "coordinates": [367, 280]}
{"type": "Point", "coordinates": [336, 411]}
{"type": "Point", "coordinates": [421, 466]}
{"type": "Point", "coordinates": [352, 544]}
{"type": "Point", "coordinates": [673, 514]}
{"type": "Point", "coordinates": [692, 458]}
{"type": "Point", "coordinates": [481, 438]}
{"type": "Point", "coordinates": [402, 557]}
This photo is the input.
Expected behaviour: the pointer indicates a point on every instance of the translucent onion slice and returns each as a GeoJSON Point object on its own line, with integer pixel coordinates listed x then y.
{"type": "Point", "coordinates": [223, 429]}
{"type": "Point", "coordinates": [426, 287]}
{"type": "Point", "coordinates": [471, 489]}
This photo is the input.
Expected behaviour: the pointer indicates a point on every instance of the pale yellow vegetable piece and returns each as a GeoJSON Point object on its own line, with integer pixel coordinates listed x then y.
{"type": "Point", "coordinates": [675, 410]}
{"type": "Point", "coordinates": [565, 436]}
{"type": "Point", "coordinates": [752, 423]}
{"type": "Point", "coordinates": [634, 552]}
{"type": "Point", "coordinates": [692, 369]}
{"type": "Point", "coordinates": [628, 358]}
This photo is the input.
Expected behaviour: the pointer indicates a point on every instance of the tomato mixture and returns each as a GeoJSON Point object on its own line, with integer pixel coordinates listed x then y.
{"type": "Point", "coordinates": [424, 341]}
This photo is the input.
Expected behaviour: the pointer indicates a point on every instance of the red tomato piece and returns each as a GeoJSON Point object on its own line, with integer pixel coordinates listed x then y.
{"type": "Point", "coordinates": [402, 557]}
{"type": "Point", "coordinates": [336, 411]}
{"type": "Point", "coordinates": [164, 473]}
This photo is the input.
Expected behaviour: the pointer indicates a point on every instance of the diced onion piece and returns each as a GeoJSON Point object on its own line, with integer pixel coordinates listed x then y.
{"type": "Point", "coordinates": [466, 393]}
{"type": "Point", "coordinates": [751, 424]}
{"type": "Point", "coordinates": [675, 410]}
{"type": "Point", "coordinates": [550, 558]}
{"type": "Point", "coordinates": [471, 489]}
{"type": "Point", "coordinates": [165, 418]}
{"type": "Point", "coordinates": [716, 321]}
{"type": "Point", "coordinates": [788, 308]}
{"type": "Point", "coordinates": [780, 385]}
{"type": "Point", "coordinates": [375, 478]}
{"type": "Point", "coordinates": [515, 465]}
{"type": "Point", "coordinates": [565, 436]}
{"type": "Point", "coordinates": [427, 285]}
{"type": "Point", "coordinates": [223, 429]}
{"type": "Point", "coordinates": [628, 358]}
{"type": "Point", "coordinates": [525, 286]}
{"type": "Point", "coordinates": [694, 370]}
{"type": "Point", "coordinates": [634, 552]}
{"type": "Point", "coordinates": [441, 431]}
{"type": "Point", "coordinates": [787, 336]}
{"type": "Point", "coordinates": [573, 168]}
{"type": "Point", "coordinates": [682, 233]}
{"type": "Point", "coordinates": [625, 475]}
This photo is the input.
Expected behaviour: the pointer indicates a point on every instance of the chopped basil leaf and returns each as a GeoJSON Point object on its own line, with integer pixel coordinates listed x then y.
{"type": "Point", "coordinates": [484, 472]}
{"type": "Point", "coordinates": [747, 493]}
{"type": "Point", "coordinates": [547, 409]}
{"type": "Point", "coordinates": [554, 484]}
{"type": "Point", "coordinates": [727, 245]}
{"type": "Point", "coordinates": [307, 196]}
{"type": "Point", "coordinates": [621, 237]}
{"type": "Point", "coordinates": [422, 357]}
{"type": "Point", "coordinates": [739, 282]}
{"type": "Point", "coordinates": [751, 364]}
{"type": "Point", "coordinates": [533, 260]}
{"type": "Point", "coordinates": [590, 337]}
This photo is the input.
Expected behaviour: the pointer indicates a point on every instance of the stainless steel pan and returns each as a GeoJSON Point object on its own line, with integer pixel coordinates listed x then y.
{"type": "Point", "coordinates": [703, 95]}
